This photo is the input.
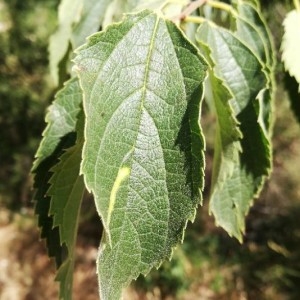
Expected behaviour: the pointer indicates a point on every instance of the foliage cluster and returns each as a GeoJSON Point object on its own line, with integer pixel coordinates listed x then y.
{"type": "Point", "coordinates": [126, 126]}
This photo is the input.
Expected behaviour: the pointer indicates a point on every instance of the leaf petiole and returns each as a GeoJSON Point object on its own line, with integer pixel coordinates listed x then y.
{"type": "Point", "coordinates": [194, 19]}
{"type": "Point", "coordinates": [223, 6]}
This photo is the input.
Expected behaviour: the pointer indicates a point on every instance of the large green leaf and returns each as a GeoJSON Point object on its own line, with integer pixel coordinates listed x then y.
{"type": "Point", "coordinates": [143, 151]}
{"type": "Point", "coordinates": [66, 192]}
{"type": "Point", "coordinates": [242, 74]}
{"type": "Point", "coordinates": [61, 119]}
{"type": "Point", "coordinates": [291, 44]}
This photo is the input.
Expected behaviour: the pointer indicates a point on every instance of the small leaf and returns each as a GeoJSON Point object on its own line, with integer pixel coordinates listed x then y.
{"type": "Point", "coordinates": [143, 151]}
{"type": "Point", "coordinates": [251, 36]}
{"type": "Point", "coordinates": [116, 9]}
{"type": "Point", "coordinates": [256, 36]}
{"type": "Point", "coordinates": [66, 192]}
{"type": "Point", "coordinates": [242, 74]}
{"type": "Point", "coordinates": [91, 17]}
{"type": "Point", "coordinates": [227, 146]}
{"type": "Point", "coordinates": [58, 136]}
{"type": "Point", "coordinates": [61, 119]}
{"type": "Point", "coordinates": [251, 13]}
{"type": "Point", "coordinates": [291, 44]}
{"type": "Point", "coordinates": [68, 14]}
{"type": "Point", "coordinates": [170, 9]}
{"type": "Point", "coordinates": [42, 174]}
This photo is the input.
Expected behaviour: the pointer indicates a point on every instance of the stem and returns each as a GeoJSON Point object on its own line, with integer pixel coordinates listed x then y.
{"type": "Point", "coordinates": [190, 9]}
{"type": "Point", "coordinates": [223, 6]}
{"type": "Point", "coordinates": [297, 5]}
{"type": "Point", "coordinates": [194, 19]}
{"type": "Point", "coordinates": [186, 14]}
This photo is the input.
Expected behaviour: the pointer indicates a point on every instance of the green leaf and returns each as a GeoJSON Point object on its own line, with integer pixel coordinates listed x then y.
{"type": "Point", "coordinates": [227, 146]}
{"type": "Point", "coordinates": [169, 8]}
{"type": "Point", "coordinates": [58, 136]}
{"type": "Point", "coordinates": [61, 119]}
{"type": "Point", "coordinates": [91, 17]}
{"type": "Point", "coordinates": [68, 14]}
{"type": "Point", "coordinates": [42, 175]}
{"type": "Point", "coordinates": [291, 44]}
{"type": "Point", "coordinates": [143, 152]}
{"type": "Point", "coordinates": [251, 36]}
{"type": "Point", "coordinates": [117, 8]}
{"type": "Point", "coordinates": [66, 192]}
{"type": "Point", "coordinates": [242, 74]}
{"type": "Point", "coordinates": [256, 36]}
{"type": "Point", "coordinates": [251, 14]}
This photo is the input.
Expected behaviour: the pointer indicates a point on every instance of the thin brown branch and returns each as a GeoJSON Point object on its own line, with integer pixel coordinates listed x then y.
{"type": "Point", "coordinates": [189, 10]}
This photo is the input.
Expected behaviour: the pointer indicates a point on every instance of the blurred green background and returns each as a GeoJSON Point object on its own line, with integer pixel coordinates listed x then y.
{"type": "Point", "coordinates": [209, 265]}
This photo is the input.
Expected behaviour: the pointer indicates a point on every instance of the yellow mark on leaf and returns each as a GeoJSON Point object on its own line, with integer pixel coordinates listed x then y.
{"type": "Point", "coordinates": [122, 175]}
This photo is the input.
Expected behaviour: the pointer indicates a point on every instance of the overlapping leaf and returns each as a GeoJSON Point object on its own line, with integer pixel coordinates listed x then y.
{"type": "Point", "coordinates": [42, 175]}
{"type": "Point", "coordinates": [251, 36]}
{"type": "Point", "coordinates": [61, 119]}
{"type": "Point", "coordinates": [58, 136]}
{"type": "Point", "coordinates": [91, 17]}
{"type": "Point", "coordinates": [77, 19]}
{"type": "Point", "coordinates": [242, 74]}
{"type": "Point", "coordinates": [227, 141]}
{"type": "Point", "coordinates": [250, 13]}
{"type": "Point", "coordinates": [253, 32]}
{"type": "Point", "coordinates": [143, 151]}
{"type": "Point", "coordinates": [66, 192]}
{"type": "Point", "coordinates": [116, 9]}
{"type": "Point", "coordinates": [68, 14]}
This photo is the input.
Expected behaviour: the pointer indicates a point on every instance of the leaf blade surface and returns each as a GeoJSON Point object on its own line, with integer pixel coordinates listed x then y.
{"type": "Point", "coordinates": [61, 119]}
{"type": "Point", "coordinates": [144, 161]}
{"type": "Point", "coordinates": [66, 191]}
{"type": "Point", "coordinates": [242, 73]}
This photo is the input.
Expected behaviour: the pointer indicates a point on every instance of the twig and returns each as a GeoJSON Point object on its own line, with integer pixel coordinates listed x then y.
{"type": "Point", "coordinates": [189, 9]}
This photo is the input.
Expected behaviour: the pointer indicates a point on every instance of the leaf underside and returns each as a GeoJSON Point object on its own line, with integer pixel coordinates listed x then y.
{"type": "Point", "coordinates": [143, 151]}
